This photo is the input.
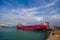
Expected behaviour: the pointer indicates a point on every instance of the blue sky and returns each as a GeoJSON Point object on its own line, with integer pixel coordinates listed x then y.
{"type": "Point", "coordinates": [30, 12]}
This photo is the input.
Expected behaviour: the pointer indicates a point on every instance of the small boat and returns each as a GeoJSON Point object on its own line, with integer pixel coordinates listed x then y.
{"type": "Point", "coordinates": [34, 27]}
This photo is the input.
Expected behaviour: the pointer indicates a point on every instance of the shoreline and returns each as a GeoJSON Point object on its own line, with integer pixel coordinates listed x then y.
{"type": "Point", "coordinates": [54, 35]}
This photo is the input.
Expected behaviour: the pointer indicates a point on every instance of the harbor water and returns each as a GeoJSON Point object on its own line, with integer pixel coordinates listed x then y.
{"type": "Point", "coordinates": [11, 33]}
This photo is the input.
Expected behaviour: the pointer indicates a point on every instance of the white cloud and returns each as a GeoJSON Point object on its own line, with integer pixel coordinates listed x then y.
{"type": "Point", "coordinates": [57, 16]}
{"type": "Point", "coordinates": [54, 17]}
{"type": "Point", "coordinates": [52, 3]}
{"type": "Point", "coordinates": [53, 11]}
{"type": "Point", "coordinates": [39, 18]}
{"type": "Point", "coordinates": [29, 9]}
{"type": "Point", "coordinates": [24, 15]}
{"type": "Point", "coordinates": [25, 11]}
{"type": "Point", "coordinates": [27, 17]}
{"type": "Point", "coordinates": [49, 4]}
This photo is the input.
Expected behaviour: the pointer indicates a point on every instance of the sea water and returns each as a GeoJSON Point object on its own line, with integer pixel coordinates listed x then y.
{"type": "Point", "coordinates": [11, 33]}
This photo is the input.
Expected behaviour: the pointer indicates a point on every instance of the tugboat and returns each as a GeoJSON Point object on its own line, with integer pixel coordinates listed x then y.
{"type": "Point", "coordinates": [44, 26]}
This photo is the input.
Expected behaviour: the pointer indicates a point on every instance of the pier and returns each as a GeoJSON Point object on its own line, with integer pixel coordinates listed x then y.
{"type": "Point", "coordinates": [54, 35]}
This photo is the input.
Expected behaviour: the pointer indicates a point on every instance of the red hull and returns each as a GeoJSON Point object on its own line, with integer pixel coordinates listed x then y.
{"type": "Point", "coordinates": [33, 27]}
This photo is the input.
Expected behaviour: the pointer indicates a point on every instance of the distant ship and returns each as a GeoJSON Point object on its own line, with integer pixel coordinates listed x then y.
{"type": "Point", "coordinates": [43, 26]}
{"type": "Point", "coordinates": [2, 25]}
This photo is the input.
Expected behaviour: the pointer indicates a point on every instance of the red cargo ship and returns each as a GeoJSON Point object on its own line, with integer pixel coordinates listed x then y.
{"type": "Point", "coordinates": [34, 27]}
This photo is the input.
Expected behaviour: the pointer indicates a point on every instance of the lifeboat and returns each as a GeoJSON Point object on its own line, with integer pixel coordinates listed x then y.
{"type": "Point", "coordinates": [34, 27]}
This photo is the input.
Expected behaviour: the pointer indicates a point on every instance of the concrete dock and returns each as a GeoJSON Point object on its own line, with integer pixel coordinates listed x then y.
{"type": "Point", "coordinates": [55, 35]}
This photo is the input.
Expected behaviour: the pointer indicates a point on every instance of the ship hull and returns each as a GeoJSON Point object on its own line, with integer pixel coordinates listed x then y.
{"type": "Point", "coordinates": [34, 27]}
